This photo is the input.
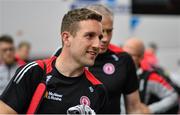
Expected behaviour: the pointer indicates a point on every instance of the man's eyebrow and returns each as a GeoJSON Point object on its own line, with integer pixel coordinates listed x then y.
{"type": "Point", "coordinates": [92, 33]}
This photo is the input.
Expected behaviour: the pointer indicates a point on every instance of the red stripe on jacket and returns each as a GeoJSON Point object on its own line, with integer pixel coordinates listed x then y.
{"type": "Point", "coordinates": [48, 63]}
{"type": "Point", "coordinates": [19, 61]}
{"type": "Point", "coordinates": [115, 48]}
{"type": "Point", "coordinates": [91, 78]}
{"type": "Point", "coordinates": [160, 80]}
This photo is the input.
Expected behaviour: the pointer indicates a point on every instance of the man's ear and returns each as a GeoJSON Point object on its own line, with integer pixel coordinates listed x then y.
{"type": "Point", "coordinates": [66, 36]}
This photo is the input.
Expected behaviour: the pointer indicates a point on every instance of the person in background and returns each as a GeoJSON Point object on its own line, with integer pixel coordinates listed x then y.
{"type": "Point", "coordinates": [155, 91]}
{"type": "Point", "coordinates": [152, 47]}
{"type": "Point", "coordinates": [172, 77]}
{"type": "Point", "coordinates": [9, 62]}
{"type": "Point", "coordinates": [0, 57]}
{"type": "Point", "coordinates": [23, 51]}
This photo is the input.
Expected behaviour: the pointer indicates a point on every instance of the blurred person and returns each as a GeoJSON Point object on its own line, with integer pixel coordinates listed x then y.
{"type": "Point", "coordinates": [0, 57]}
{"type": "Point", "coordinates": [115, 69]}
{"type": "Point", "coordinates": [62, 84]}
{"type": "Point", "coordinates": [23, 51]}
{"type": "Point", "coordinates": [152, 47]}
{"type": "Point", "coordinates": [149, 56]}
{"type": "Point", "coordinates": [9, 62]}
{"type": "Point", "coordinates": [155, 91]}
{"type": "Point", "coordinates": [150, 62]}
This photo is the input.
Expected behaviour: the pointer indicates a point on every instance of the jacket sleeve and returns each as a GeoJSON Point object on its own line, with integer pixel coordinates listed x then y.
{"type": "Point", "coordinates": [158, 86]}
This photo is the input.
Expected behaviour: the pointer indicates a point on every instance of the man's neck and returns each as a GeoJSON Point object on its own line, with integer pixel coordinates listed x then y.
{"type": "Point", "coordinates": [67, 66]}
{"type": "Point", "coordinates": [9, 65]}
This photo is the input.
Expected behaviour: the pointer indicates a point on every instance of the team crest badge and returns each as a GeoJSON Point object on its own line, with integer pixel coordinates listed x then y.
{"type": "Point", "coordinates": [84, 100]}
{"type": "Point", "coordinates": [109, 68]}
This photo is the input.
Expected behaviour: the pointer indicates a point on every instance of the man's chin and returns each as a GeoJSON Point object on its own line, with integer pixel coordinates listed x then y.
{"type": "Point", "coordinates": [9, 62]}
{"type": "Point", "coordinates": [90, 64]}
{"type": "Point", "coordinates": [101, 51]}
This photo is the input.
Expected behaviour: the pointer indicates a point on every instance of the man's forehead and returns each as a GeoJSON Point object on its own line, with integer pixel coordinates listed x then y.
{"type": "Point", "coordinates": [3, 44]}
{"type": "Point", "coordinates": [90, 24]}
{"type": "Point", "coordinates": [107, 25]}
{"type": "Point", "coordinates": [89, 21]}
{"type": "Point", "coordinates": [134, 50]}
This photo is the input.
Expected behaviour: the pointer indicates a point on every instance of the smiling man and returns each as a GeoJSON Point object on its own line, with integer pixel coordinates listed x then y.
{"type": "Point", "coordinates": [115, 69]}
{"type": "Point", "coordinates": [70, 88]}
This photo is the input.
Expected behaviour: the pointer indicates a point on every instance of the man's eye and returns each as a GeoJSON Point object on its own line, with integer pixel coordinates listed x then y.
{"type": "Point", "coordinates": [108, 31]}
{"type": "Point", "coordinates": [100, 37]}
{"type": "Point", "coordinates": [89, 36]}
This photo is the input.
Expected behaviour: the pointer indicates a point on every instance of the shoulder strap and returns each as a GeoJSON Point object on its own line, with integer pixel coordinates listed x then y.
{"type": "Point", "coordinates": [144, 78]}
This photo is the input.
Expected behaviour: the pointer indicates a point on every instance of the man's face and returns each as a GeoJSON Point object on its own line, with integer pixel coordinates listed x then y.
{"type": "Point", "coordinates": [136, 56]}
{"type": "Point", "coordinates": [0, 54]}
{"type": "Point", "coordinates": [85, 44]}
{"type": "Point", "coordinates": [7, 52]}
{"type": "Point", "coordinates": [107, 24]}
{"type": "Point", "coordinates": [24, 52]}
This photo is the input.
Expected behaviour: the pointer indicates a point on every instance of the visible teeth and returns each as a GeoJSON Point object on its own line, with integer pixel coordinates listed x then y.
{"type": "Point", "coordinates": [92, 53]}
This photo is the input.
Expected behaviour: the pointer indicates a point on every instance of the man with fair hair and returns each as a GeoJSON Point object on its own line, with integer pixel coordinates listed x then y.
{"type": "Point", "coordinates": [155, 91]}
{"type": "Point", "coordinates": [135, 47]}
{"type": "Point", "coordinates": [115, 69]}
{"type": "Point", "coordinates": [62, 85]}
{"type": "Point", "coordinates": [23, 51]}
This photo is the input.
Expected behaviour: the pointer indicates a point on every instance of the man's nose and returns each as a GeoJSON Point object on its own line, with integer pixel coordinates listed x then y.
{"type": "Point", "coordinates": [96, 42]}
{"type": "Point", "coordinates": [105, 38]}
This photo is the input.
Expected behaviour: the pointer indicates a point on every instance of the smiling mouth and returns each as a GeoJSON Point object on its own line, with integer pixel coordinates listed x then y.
{"type": "Point", "coordinates": [92, 53]}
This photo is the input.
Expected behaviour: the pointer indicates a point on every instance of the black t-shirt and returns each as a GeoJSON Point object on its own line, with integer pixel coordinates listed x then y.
{"type": "Point", "coordinates": [116, 70]}
{"type": "Point", "coordinates": [61, 93]}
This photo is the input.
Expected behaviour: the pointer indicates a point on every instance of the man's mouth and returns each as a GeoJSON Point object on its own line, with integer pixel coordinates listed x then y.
{"type": "Point", "coordinates": [102, 46]}
{"type": "Point", "coordinates": [92, 52]}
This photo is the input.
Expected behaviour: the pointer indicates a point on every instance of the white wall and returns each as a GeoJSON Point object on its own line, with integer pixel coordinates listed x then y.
{"type": "Point", "coordinates": [0, 18]}
{"type": "Point", "coordinates": [39, 23]}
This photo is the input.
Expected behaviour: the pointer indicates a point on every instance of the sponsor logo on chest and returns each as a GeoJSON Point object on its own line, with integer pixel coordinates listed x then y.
{"type": "Point", "coordinates": [53, 96]}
